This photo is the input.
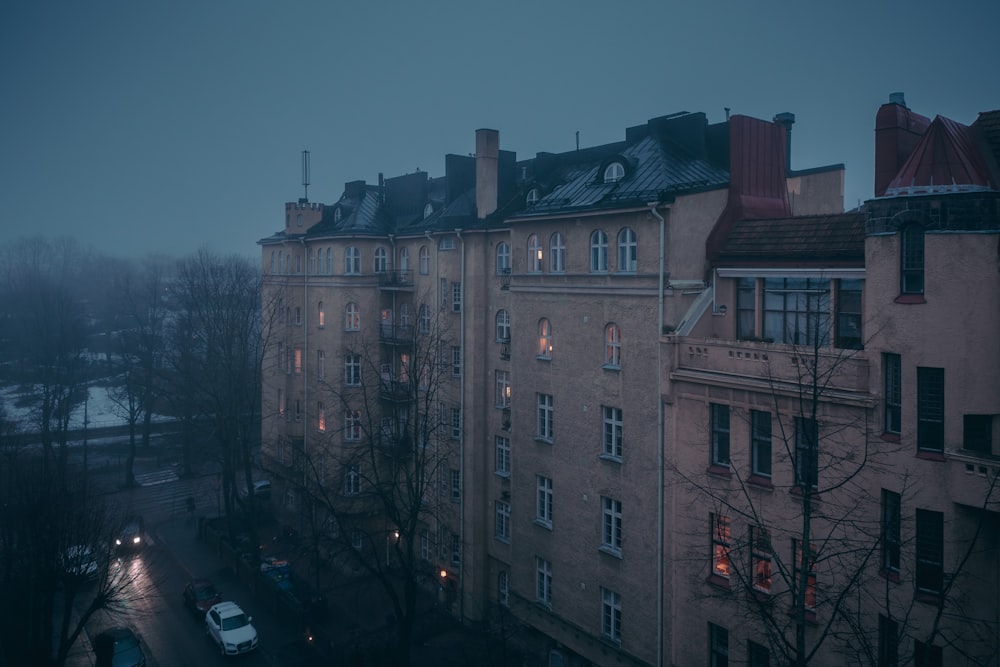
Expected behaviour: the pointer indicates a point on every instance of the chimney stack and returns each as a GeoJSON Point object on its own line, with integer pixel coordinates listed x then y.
{"type": "Point", "coordinates": [487, 159]}
{"type": "Point", "coordinates": [786, 119]}
{"type": "Point", "coordinates": [897, 132]}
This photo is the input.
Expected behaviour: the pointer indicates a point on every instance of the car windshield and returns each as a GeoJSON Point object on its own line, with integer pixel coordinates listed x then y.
{"type": "Point", "coordinates": [204, 593]}
{"type": "Point", "coordinates": [234, 622]}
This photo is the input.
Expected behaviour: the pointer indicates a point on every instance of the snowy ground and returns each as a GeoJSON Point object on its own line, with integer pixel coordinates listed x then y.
{"type": "Point", "coordinates": [100, 410]}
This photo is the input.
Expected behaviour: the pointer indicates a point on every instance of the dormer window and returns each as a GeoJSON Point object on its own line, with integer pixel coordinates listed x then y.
{"type": "Point", "coordinates": [614, 172]}
{"type": "Point", "coordinates": [532, 197]}
{"type": "Point", "coordinates": [428, 210]}
{"type": "Point", "coordinates": [336, 214]}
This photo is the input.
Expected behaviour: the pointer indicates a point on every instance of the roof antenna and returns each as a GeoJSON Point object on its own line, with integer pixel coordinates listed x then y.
{"type": "Point", "coordinates": [305, 175]}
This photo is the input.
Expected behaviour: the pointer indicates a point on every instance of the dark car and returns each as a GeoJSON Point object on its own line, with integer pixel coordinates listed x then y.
{"type": "Point", "coordinates": [132, 534]}
{"type": "Point", "coordinates": [118, 647]}
{"type": "Point", "coordinates": [200, 595]}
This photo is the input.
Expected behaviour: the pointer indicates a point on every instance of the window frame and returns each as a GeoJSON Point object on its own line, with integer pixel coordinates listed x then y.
{"type": "Point", "coordinates": [912, 259]}
{"type": "Point", "coordinates": [352, 425]}
{"type": "Point", "coordinates": [352, 261]}
{"type": "Point", "coordinates": [806, 453]}
{"type": "Point", "coordinates": [501, 527]}
{"type": "Point", "coordinates": [611, 526]}
{"type": "Point", "coordinates": [352, 482]}
{"type": "Point", "coordinates": [598, 251]}
{"type": "Point", "coordinates": [892, 384]}
{"type": "Point", "coordinates": [721, 546]}
{"type": "Point", "coordinates": [557, 253]}
{"type": "Point", "coordinates": [424, 261]}
{"type": "Point", "coordinates": [718, 645]}
{"type": "Point", "coordinates": [502, 321]}
{"type": "Point", "coordinates": [811, 593]}
{"type": "Point", "coordinates": [501, 379]}
{"type": "Point", "coordinates": [930, 410]}
{"type": "Point", "coordinates": [760, 444]}
{"type": "Point", "coordinates": [501, 460]}
{"type": "Point", "coordinates": [380, 262]}
{"type": "Point", "coordinates": [611, 616]}
{"type": "Point", "coordinates": [891, 529]}
{"type": "Point", "coordinates": [761, 553]}
{"type": "Point", "coordinates": [544, 339]}
{"type": "Point", "coordinates": [612, 346]}
{"type": "Point", "coordinates": [535, 254]}
{"type": "Point", "coordinates": [352, 317]}
{"type": "Point", "coordinates": [613, 172]}
{"type": "Point", "coordinates": [352, 370]}
{"type": "Point", "coordinates": [543, 582]}
{"type": "Point", "coordinates": [721, 440]}
{"type": "Point", "coordinates": [546, 409]}
{"type": "Point", "coordinates": [543, 501]}
{"type": "Point", "coordinates": [503, 258]}
{"type": "Point", "coordinates": [628, 251]}
{"type": "Point", "coordinates": [928, 570]}
{"type": "Point", "coordinates": [613, 432]}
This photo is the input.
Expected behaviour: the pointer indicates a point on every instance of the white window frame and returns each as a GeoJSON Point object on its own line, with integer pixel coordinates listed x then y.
{"type": "Point", "coordinates": [546, 410]}
{"type": "Point", "coordinates": [614, 172]}
{"type": "Point", "coordinates": [381, 260]}
{"type": "Point", "coordinates": [613, 435]}
{"type": "Point", "coordinates": [503, 258]}
{"type": "Point", "coordinates": [502, 326]}
{"type": "Point", "coordinates": [543, 501]}
{"type": "Point", "coordinates": [628, 260]}
{"type": "Point", "coordinates": [352, 317]}
{"type": "Point", "coordinates": [456, 297]}
{"type": "Point", "coordinates": [502, 456]}
{"type": "Point", "coordinates": [611, 616]}
{"type": "Point", "coordinates": [424, 261]}
{"type": "Point", "coordinates": [501, 398]}
{"type": "Point", "coordinates": [598, 251]}
{"type": "Point", "coordinates": [352, 425]}
{"type": "Point", "coordinates": [535, 254]}
{"type": "Point", "coordinates": [557, 253]}
{"type": "Point", "coordinates": [352, 261]}
{"type": "Point", "coordinates": [543, 582]}
{"type": "Point", "coordinates": [611, 525]}
{"type": "Point", "coordinates": [352, 482]}
{"type": "Point", "coordinates": [352, 370]}
{"type": "Point", "coordinates": [501, 529]}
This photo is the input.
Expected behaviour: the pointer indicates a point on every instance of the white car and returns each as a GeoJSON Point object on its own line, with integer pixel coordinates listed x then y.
{"type": "Point", "coordinates": [230, 628]}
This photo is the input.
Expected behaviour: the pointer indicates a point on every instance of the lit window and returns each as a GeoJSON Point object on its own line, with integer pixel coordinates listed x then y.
{"type": "Point", "coordinates": [614, 172]}
{"type": "Point", "coordinates": [352, 261]}
{"type": "Point", "coordinates": [321, 416]}
{"type": "Point", "coordinates": [612, 432]}
{"type": "Point", "coordinates": [627, 251]}
{"type": "Point", "coordinates": [612, 345]}
{"type": "Point", "coordinates": [721, 535]}
{"type": "Point", "coordinates": [805, 562]}
{"type": "Point", "coordinates": [611, 533]}
{"type": "Point", "coordinates": [502, 394]}
{"type": "Point", "coordinates": [352, 317]}
{"type": "Point", "coordinates": [760, 543]}
{"type": "Point", "coordinates": [598, 252]}
{"type": "Point", "coordinates": [534, 254]}
{"type": "Point", "coordinates": [611, 616]}
{"type": "Point", "coordinates": [544, 338]}
{"type": "Point", "coordinates": [298, 360]}
{"type": "Point", "coordinates": [321, 315]}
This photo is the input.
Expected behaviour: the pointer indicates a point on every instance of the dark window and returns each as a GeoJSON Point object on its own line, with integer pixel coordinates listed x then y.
{"type": "Point", "coordinates": [930, 551]}
{"type": "Point", "coordinates": [927, 655]}
{"type": "Point", "coordinates": [849, 315]}
{"type": "Point", "coordinates": [760, 442]}
{"type": "Point", "coordinates": [930, 409]}
{"type": "Point", "coordinates": [892, 369]}
{"type": "Point", "coordinates": [797, 310]}
{"type": "Point", "coordinates": [746, 308]}
{"type": "Point", "coordinates": [806, 452]}
{"type": "Point", "coordinates": [720, 434]}
{"type": "Point", "coordinates": [888, 642]}
{"type": "Point", "coordinates": [718, 641]}
{"type": "Point", "coordinates": [890, 530]}
{"type": "Point", "coordinates": [912, 260]}
{"type": "Point", "coordinates": [977, 433]}
{"type": "Point", "coordinates": [757, 655]}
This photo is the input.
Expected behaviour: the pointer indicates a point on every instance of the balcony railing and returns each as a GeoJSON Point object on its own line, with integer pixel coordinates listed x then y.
{"type": "Point", "coordinates": [504, 279]}
{"type": "Point", "coordinates": [394, 390]}
{"type": "Point", "coordinates": [396, 334]}
{"type": "Point", "coordinates": [393, 278]}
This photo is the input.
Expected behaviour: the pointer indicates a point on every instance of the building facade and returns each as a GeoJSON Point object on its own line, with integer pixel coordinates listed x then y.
{"type": "Point", "coordinates": [644, 364]}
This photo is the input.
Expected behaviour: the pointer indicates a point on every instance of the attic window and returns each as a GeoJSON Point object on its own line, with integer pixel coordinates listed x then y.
{"type": "Point", "coordinates": [614, 172]}
{"type": "Point", "coordinates": [532, 197]}
{"type": "Point", "coordinates": [336, 215]}
{"type": "Point", "coordinates": [428, 210]}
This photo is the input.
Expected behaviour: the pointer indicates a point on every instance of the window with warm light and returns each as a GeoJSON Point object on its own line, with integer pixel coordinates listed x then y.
{"type": "Point", "coordinates": [534, 254]}
{"type": "Point", "coordinates": [502, 394]}
{"type": "Point", "coordinates": [321, 416]}
{"type": "Point", "coordinates": [298, 360]}
{"type": "Point", "coordinates": [544, 338]}
{"type": "Point", "coordinates": [804, 563]}
{"type": "Point", "coordinates": [721, 536]}
{"type": "Point", "coordinates": [760, 557]}
{"type": "Point", "coordinates": [352, 317]}
{"type": "Point", "coordinates": [320, 315]}
{"type": "Point", "coordinates": [612, 346]}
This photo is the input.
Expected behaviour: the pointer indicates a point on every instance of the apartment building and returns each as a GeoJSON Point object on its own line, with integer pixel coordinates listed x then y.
{"type": "Point", "coordinates": [624, 338]}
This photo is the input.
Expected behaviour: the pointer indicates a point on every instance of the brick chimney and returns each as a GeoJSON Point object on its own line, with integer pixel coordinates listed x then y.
{"type": "Point", "coordinates": [487, 157]}
{"type": "Point", "coordinates": [897, 132]}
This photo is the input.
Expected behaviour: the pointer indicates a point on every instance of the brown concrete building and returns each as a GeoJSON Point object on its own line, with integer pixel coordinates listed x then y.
{"type": "Point", "coordinates": [624, 338]}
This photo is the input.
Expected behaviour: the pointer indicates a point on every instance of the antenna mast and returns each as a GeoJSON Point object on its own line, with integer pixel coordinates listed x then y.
{"type": "Point", "coordinates": [305, 173]}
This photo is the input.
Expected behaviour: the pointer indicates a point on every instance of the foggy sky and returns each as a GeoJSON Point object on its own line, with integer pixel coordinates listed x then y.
{"type": "Point", "coordinates": [173, 126]}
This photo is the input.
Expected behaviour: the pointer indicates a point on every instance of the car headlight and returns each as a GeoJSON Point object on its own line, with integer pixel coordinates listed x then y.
{"type": "Point", "coordinates": [136, 539]}
{"type": "Point", "coordinates": [118, 541]}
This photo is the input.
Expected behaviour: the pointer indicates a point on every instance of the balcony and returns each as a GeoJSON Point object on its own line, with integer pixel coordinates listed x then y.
{"type": "Point", "coordinates": [396, 391]}
{"type": "Point", "coordinates": [395, 334]}
{"type": "Point", "coordinates": [396, 279]}
{"type": "Point", "coordinates": [505, 349]}
{"type": "Point", "coordinates": [773, 368]}
{"type": "Point", "coordinates": [504, 279]}
{"type": "Point", "coordinates": [974, 479]}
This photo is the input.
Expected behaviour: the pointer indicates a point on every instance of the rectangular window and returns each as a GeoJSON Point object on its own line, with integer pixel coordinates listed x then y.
{"type": "Point", "coordinates": [320, 364]}
{"type": "Point", "coordinates": [456, 297]}
{"type": "Point", "coordinates": [720, 434]}
{"type": "Point", "coordinates": [545, 417]}
{"type": "Point", "coordinates": [612, 432]}
{"type": "Point", "coordinates": [611, 616]}
{"type": "Point", "coordinates": [298, 410]}
{"type": "Point", "coordinates": [720, 529]}
{"type": "Point", "coordinates": [746, 308]}
{"type": "Point", "coordinates": [912, 259]}
{"type": "Point", "coordinates": [456, 486]}
{"type": "Point", "coordinates": [930, 552]}
{"type": "Point", "coordinates": [352, 482]}
{"type": "Point", "coordinates": [502, 531]}
{"type": "Point", "coordinates": [456, 550]}
{"type": "Point", "coordinates": [890, 530]}
{"type": "Point", "coordinates": [797, 310]}
{"type": "Point", "coordinates": [888, 642]}
{"type": "Point", "coordinates": [760, 443]}
{"type": "Point", "coordinates": [425, 546]}
{"type": "Point", "coordinates": [502, 455]}
{"type": "Point", "coordinates": [718, 645]}
{"type": "Point", "coordinates": [758, 655]}
{"type": "Point", "coordinates": [930, 409]}
{"type": "Point", "coordinates": [848, 330]}
{"type": "Point", "coordinates": [809, 595]}
{"type": "Point", "coordinates": [352, 425]}
{"type": "Point", "coordinates": [320, 416]}
{"type": "Point", "coordinates": [298, 360]}
{"type": "Point", "coordinates": [543, 504]}
{"type": "Point", "coordinates": [281, 402]}
{"type": "Point", "coordinates": [543, 582]}
{"type": "Point", "coordinates": [611, 534]}
{"type": "Point", "coordinates": [927, 655]}
{"type": "Point", "coordinates": [456, 361]}
{"type": "Point", "coordinates": [806, 452]}
{"type": "Point", "coordinates": [892, 367]}
{"type": "Point", "coordinates": [501, 398]}
{"type": "Point", "coordinates": [760, 556]}
{"type": "Point", "coordinates": [977, 433]}
{"type": "Point", "coordinates": [456, 423]}
{"type": "Point", "coordinates": [352, 370]}
{"type": "Point", "coordinates": [444, 293]}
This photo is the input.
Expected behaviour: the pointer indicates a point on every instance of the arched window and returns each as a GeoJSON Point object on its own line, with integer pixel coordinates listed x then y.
{"type": "Point", "coordinates": [612, 345]}
{"type": "Point", "coordinates": [544, 338]}
{"type": "Point", "coordinates": [598, 252]}
{"type": "Point", "coordinates": [503, 326]}
{"type": "Point", "coordinates": [404, 259]}
{"type": "Point", "coordinates": [320, 315]}
{"type": "Point", "coordinates": [425, 319]}
{"type": "Point", "coordinates": [352, 261]}
{"type": "Point", "coordinates": [428, 210]}
{"type": "Point", "coordinates": [557, 253]}
{"type": "Point", "coordinates": [329, 261]}
{"type": "Point", "coordinates": [336, 215]}
{"type": "Point", "coordinates": [503, 258]}
{"type": "Point", "coordinates": [532, 197]}
{"type": "Point", "coordinates": [381, 260]}
{"type": "Point", "coordinates": [352, 317]}
{"type": "Point", "coordinates": [614, 172]}
{"type": "Point", "coordinates": [911, 270]}
{"type": "Point", "coordinates": [425, 260]}
{"type": "Point", "coordinates": [627, 260]}
{"type": "Point", "coordinates": [534, 254]}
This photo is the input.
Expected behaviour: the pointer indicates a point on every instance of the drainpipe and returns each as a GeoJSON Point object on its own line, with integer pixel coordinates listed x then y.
{"type": "Point", "coordinates": [660, 441]}
{"type": "Point", "coordinates": [461, 443]}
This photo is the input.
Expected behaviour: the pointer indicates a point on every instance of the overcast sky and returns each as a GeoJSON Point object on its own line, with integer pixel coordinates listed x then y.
{"type": "Point", "coordinates": [172, 126]}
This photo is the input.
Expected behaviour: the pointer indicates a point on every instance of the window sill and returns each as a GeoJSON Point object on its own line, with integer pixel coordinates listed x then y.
{"type": "Point", "coordinates": [543, 357]}
{"type": "Point", "coordinates": [910, 299]}
{"type": "Point", "coordinates": [810, 615]}
{"type": "Point", "coordinates": [761, 482]}
{"type": "Point", "coordinates": [541, 523]}
{"type": "Point", "coordinates": [501, 407]}
{"type": "Point", "coordinates": [502, 474]}
{"type": "Point", "coordinates": [891, 575]}
{"type": "Point", "coordinates": [891, 437]}
{"type": "Point", "coordinates": [502, 540]}
{"type": "Point", "coordinates": [717, 581]}
{"type": "Point", "coordinates": [544, 441]}
{"type": "Point", "coordinates": [930, 455]}
{"type": "Point", "coordinates": [612, 367]}
{"type": "Point", "coordinates": [719, 470]}
{"type": "Point", "coordinates": [760, 596]}
{"type": "Point", "coordinates": [927, 597]}
{"type": "Point", "coordinates": [611, 458]}
{"type": "Point", "coordinates": [797, 492]}
{"type": "Point", "coordinates": [611, 551]}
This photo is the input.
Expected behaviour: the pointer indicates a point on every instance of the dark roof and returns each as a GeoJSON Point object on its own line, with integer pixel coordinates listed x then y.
{"type": "Point", "coordinates": [946, 159]}
{"type": "Point", "coordinates": [816, 240]}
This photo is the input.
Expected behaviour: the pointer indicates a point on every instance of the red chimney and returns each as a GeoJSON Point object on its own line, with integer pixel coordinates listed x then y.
{"type": "Point", "coordinates": [897, 132]}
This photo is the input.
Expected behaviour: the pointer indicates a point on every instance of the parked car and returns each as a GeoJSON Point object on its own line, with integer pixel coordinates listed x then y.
{"type": "Point", "coordinates": [200, 595]}
{"type": "Point", "coordinates": [80, 562]}
{"type": "Point", "coordinates": [132, 534]}
{"type": "Point", "coordinates": [121, 645]}
{"type": "Point", "coordinates": [261, 490]}
{"type": "Point", "coordinates": [230, 628]}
